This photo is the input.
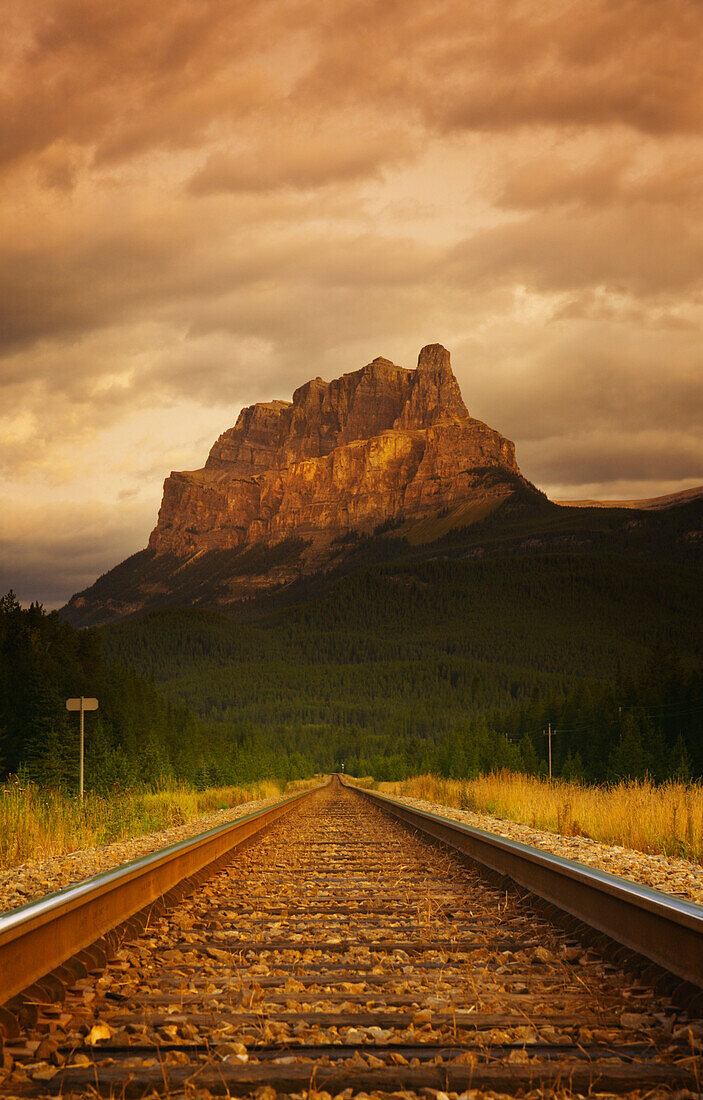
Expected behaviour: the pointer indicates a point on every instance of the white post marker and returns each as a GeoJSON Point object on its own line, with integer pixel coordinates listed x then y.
{"type": "Point", "coordinates": [81, 705]}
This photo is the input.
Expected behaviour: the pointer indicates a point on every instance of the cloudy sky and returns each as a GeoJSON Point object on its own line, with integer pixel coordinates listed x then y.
{"type": "Point", "coordinates": [206, 202]}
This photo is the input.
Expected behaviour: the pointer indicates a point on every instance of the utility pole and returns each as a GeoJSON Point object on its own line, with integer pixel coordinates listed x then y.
{"type": "Point", "coordinates": [81, 705]}
{"type": "Point", "coordinates": [548, 734]}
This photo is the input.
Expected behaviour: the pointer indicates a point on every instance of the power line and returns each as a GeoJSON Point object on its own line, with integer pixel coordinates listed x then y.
{"type": "Point", "coordinates": [587, 724]}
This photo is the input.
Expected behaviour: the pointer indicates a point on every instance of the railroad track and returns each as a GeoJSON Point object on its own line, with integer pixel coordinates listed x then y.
{"type": "Point", "coordinates": [342, 951]}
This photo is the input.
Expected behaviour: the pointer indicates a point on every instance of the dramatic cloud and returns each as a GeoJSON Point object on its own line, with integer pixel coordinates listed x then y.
{"type": "Point", "coordinates": [74, 538]}
{"type": "Point", "coordinates": [557, 250]}
{"type": "Point", "coordinates": [499, 64]}
{"type": "Point", "coordinates": [289, 155]}
{"type": "Point", "coordinates": [206, 202]}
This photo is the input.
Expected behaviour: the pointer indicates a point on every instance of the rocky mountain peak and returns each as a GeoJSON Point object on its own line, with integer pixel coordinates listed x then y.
{"type": "Point", "coordinates": [435, 394]}
{"type": "Point", "coordinates": [434, 357]}
{"type": "Point", "coordinates": [378, 443]}
{"type": "Point", "coordinates": [290, 488]}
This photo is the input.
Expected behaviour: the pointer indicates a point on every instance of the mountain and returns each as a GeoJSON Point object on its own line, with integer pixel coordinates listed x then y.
{"type": "Point", "coordinates": [287, 491]}
{"type": "Point", "coordinates": [668, 500]}
{"type": "Point", "coordinates": [343, 456]}
{"type": "Point", "coordinates": [426, 662]}
{"type": "Point", "coordinates": [397, 597]}
{"type": "Point", "coordinates": [433, 646]}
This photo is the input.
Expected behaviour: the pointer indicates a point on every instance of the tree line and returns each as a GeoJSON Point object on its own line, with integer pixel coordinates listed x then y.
{"type": "Point", "coordinates": [452, 666]}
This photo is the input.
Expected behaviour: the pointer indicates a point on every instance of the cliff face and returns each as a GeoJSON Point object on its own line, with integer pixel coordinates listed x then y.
{"type": "Point", "coordinates": [286, 492]}
{"type": "Point", "coordinates": [381, 443]}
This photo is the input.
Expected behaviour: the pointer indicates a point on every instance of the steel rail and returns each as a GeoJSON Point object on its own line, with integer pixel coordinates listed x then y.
{"type": "Point", "coordinates": [662, 928]}
{"type": "Point", "coordinates": [39, 938]}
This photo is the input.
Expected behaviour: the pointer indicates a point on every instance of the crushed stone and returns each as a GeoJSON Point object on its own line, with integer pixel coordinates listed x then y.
{"type": "Point", "coordinates": [34, 879]}
{"type": "Point", "coordinates": [671, 875]}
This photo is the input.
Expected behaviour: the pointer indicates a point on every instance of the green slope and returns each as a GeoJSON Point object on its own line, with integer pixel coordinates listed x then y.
{"type": "Point", "coordinates": [410, 664]}
{"type": "Point", "coordinates": [135, 736]}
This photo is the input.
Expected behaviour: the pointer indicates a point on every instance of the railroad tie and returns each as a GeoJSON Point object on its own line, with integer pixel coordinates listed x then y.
{"type": "Point", "coordinates": [341, 950]}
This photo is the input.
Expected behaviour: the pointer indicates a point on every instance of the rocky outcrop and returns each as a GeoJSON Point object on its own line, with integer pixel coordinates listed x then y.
{"type": "Point", "coordinates": [382, 443]}
{"type": "Point", "coordinates": [288, 492]}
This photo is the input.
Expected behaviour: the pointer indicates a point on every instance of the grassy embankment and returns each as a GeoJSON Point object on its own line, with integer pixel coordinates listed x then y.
{"type": "Point", "coordinates": [665, 819]}
{"type": "Point", "coordinates": [36, 822]}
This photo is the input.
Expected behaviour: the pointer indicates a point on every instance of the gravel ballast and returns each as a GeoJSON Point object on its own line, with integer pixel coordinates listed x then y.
{"type": "Point", "coordinates": [673, 876]}
{"type": "Point", "coordinates": [34, 879]}
{"type": "Point", "coordinates": [29, 881]}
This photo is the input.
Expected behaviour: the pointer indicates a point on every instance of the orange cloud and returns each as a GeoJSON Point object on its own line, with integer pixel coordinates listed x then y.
{"type": "Point", "coordinates": [205, 202]}
{"type": "Point", "coordinates": [511, 63]}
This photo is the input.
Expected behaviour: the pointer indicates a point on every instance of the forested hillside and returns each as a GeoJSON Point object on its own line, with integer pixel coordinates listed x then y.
{"type": "Point", "coordinates": [445, 664]}
{"type": "Point", "coordinates": [450, 665]}
{"type": "Point", "coordinates": [137, 736]}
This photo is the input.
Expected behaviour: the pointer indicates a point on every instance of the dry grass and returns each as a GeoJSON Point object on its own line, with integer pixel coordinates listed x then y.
{"type": "Point", "coordinates": [36, 823]}
{"type": "Point", "coordinates": [296, 785]}
{"type": "Point", "coordinates": [666, 819]}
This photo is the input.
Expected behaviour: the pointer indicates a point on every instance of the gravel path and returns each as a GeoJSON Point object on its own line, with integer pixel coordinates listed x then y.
{"type": "Point", "coordinates": [32, 880]}
{"type": "Point", "coordinates": [673, 876]}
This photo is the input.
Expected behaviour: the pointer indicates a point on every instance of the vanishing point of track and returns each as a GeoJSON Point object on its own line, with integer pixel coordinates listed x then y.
{"type": "Point", "coordinates": [340, 951]}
